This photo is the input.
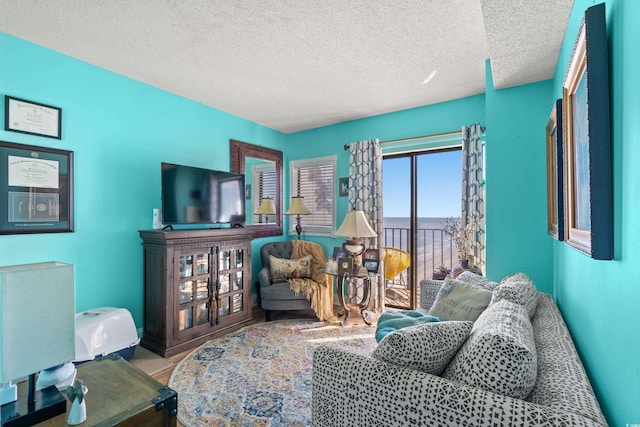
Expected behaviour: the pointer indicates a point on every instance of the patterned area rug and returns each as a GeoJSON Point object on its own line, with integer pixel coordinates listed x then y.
{"type": "Point", "coordinates": [260, 375]}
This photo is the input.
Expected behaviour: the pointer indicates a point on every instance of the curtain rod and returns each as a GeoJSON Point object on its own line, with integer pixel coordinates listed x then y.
{"type": "Point", "coordinates": [413, 138]}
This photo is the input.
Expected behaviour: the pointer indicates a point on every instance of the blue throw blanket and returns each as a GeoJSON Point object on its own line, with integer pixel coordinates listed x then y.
{"type": "Point", "coordinates": [391, 321]}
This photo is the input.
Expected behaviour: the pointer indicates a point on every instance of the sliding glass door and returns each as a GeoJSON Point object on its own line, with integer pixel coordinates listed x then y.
{"type": "Point", "coordinates": [420, 191]}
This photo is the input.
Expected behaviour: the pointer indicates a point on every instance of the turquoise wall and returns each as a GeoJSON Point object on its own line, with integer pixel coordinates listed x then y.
{"type": "Point", "coordinates": [599, 299]}
{"type": "Point", "coordinates": [516, 189]}
{"type": "Point", "coordinates": [120, 131]}
{"type": "Point", "coordinates": [329, 140]}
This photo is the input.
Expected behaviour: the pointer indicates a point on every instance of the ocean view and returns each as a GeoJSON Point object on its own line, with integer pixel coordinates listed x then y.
{"type": "Point", "coordinates": [433, 247]}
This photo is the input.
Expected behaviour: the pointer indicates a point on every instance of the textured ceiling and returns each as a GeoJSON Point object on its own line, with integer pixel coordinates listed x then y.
{"type": "Point", "coordinates": [296, 65]}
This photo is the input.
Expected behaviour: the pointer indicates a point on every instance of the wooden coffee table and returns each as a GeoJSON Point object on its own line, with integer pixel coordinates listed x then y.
{"type": "Point", "coordinates": [119, 394]}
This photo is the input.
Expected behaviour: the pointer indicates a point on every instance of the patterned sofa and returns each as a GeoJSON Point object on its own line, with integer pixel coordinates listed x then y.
{"type": "Point", "coordinates": [355, 390]}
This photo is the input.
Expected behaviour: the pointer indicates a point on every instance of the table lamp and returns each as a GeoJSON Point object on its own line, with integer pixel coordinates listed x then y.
{"type": "Point", "coordinates": [298, 208]}
{"type": "Point", "coordinates": [37, 331]}
{"type": "Point", "coordinates": [266, 208]}
{"type": "Point", "coordinates": [355, 227]}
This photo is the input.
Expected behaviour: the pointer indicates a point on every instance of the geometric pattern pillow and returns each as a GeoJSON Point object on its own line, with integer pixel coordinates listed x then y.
{"type": "Point", "coordinates": [459, 301]}
{"type": "Point", "coordinates": [285, 269]}
{"type": "Point", "coordinates": [500, 353]}
{"type": "Point", "coordinates": [518, 288]}
{"type": "Point", "coordinates": [428, 347]}
{"type": "Point", "coordinates": [476, 280]}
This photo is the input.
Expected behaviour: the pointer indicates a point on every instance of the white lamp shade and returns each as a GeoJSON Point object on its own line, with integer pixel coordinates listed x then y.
{"type": "Point", "coordinates": [37, 329]}
{"type": "Point", "coordinates": [356, 224]}
{"type": "Point", "coordinates": [267, 207]}
{"type": "Point", "coordinates": [297, 207]}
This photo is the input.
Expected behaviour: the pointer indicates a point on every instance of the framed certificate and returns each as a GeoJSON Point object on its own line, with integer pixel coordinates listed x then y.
{"type": "Point", "coordinates": [33, 118]}
{"type": "Point", "coordinates": [36, 183]}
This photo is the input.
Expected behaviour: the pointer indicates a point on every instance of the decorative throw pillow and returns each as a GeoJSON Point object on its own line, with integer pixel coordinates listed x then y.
{"type": "Point", "coordinates": [476, 280]}
{"type": "Point", "coordinates": [518, 288]}
{"type": "Point", "coordinates": [285, 269]}
{"type": "Point", "coordinates": [500, 353]}
{"type": "Point", "coordinates": [460, 301]}
{"type": "Point", "coordinates": [428, 347]}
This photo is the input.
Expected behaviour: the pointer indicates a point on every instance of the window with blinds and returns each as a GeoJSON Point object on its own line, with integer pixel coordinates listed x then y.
{"type": "Point", "coordinates": [264, 177]}
{"type": "Point", "coordinates": [314, 179]}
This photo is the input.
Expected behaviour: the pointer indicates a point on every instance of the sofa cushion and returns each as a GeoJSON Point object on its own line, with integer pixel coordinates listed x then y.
{"type": "Point", "coordinates": [428, 347]}
{"type": "Point", "coordinates": [284, 269]}
{"type": "Point", "coordinates": [518, 288]}
{"type": "Point", "coordinates": [477, 280]}
{"type": "Point", "coordinates": [458, 300]}
{"type": "Point", "coordinates": [500, 353]}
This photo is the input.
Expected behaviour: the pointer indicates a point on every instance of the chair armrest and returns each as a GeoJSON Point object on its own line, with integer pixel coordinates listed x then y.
{"type": "Point", "coordinates": [428, 291]}
{"type": "Point", "coordinates": [353, 390]}
{"type": "Point", "coordinates": [263, 277]}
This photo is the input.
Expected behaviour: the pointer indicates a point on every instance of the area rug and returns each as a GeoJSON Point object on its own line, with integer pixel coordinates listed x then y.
{"type": "Point", "coordinates": [260, 375]}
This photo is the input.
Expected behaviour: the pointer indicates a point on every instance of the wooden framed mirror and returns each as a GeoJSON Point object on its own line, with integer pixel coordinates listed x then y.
{"type": "Point", "coordinates": [262, 168]}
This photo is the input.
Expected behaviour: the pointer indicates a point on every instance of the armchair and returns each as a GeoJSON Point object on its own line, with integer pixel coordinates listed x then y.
{"type": "Point", "coordinates": [277, 296]}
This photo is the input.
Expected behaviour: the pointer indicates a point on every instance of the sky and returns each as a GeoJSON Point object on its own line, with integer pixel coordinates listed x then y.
{"type": "Point", "coordinates": [439, 185]}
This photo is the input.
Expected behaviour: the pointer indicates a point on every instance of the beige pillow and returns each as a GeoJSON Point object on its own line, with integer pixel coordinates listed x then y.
{"type": "Point", "coordinates": [460, 301]}
{"type": "Point", "coordinates": [285, 269]}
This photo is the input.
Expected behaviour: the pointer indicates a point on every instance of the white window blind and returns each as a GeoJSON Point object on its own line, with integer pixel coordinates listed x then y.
{"type": "Point", "coordinates": [314, 179]}
{"type": "Point", "coordinates": [264, 177]}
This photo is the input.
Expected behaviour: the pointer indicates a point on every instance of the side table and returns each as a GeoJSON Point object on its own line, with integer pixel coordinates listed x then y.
{"type": "Point", "coordinates": [119, 394]}
{"type": "Point", "coordinates": [359, 282]}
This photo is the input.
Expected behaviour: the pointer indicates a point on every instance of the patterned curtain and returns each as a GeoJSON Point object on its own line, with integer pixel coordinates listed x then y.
{"type": "Point", "coordinates": [473, 188]}
{"type": "Point", "coordinates": [365, 194]}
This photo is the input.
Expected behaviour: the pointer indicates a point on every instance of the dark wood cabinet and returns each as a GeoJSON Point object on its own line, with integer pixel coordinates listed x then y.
{"type": "Point", "coordinates": [197, 284]}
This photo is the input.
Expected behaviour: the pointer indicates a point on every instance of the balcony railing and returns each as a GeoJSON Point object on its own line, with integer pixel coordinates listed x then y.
{"type": "Point", "coordinates": [434, 249]}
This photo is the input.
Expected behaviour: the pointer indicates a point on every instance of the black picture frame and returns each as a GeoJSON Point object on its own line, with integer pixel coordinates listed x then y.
{"type": "Point", "coordinates": [339, 252]}
{"type": "Point", "coordinates": [588, 176]}
{"type": "Point", "coordinates": [372, 265]}
{"type": "Point", "coordinates": [555, 173]}
{"type": "Point", "coordinates": [37, 185]}
{"type": "Point", "coordinates": [343, 187]}
{"type": "Point", "coordinates": [32, 118]}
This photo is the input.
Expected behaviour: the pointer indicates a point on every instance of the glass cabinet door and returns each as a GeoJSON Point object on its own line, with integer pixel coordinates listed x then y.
{"type": "Point", "coordinates": [231, 281]}
{"type": "Point", "coordinates": [194, 290]}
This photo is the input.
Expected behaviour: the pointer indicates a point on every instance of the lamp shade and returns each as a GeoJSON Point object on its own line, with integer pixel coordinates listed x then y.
{"type": "Point", "coordinates": [297, 207]}
{"type": "Point", "coordinates": [355, 224]}
{"type": "Point", "coordinates": [37, 323]}
{"type": "Point", "coordinates": [267, 207]}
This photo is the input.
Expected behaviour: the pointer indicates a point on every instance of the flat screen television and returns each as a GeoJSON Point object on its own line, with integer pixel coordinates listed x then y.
{"type": "Point", "coordinates": [193, 195]}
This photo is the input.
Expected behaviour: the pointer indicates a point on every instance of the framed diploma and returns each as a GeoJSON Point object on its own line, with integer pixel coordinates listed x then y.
{"type": "Point", "coordinates": [36, 183]}
{"type": "Point", "coordinates": [33, 118]}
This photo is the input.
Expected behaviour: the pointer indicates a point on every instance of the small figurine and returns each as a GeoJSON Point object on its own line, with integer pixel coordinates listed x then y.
{"type": "Point", "coordinates": [78, 411]}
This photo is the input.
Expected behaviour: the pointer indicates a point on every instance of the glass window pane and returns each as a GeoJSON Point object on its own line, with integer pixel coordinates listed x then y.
{"type": "Point", "coordinates": [224, 307]}
{"type": "Point", "coordinates": [237, 303]}
{"type": "Point", "coordinates": [185, 319]}
{"type": "Point", "coordinates": [185, 294]}
{"type": "Point", "coordinates": [186, 266]}
{"type": "Point", "coordinates": [202, 289]}
{"type": "Point", "coordinates": [203, 314]}
{"type": "Point", "coordinates": [224, 283]}
{"type": "Point", "coordinates": [239, 256]}
{"type": "Point", "coordinates": [202, 264]}
{"type": "Point", "coordinates": [224, 260]}
{"type": "Point", "coordinates": [237, 280]}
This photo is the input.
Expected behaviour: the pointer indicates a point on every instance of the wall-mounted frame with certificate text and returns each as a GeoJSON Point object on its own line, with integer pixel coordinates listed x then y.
{"type": "Point", "coordinates": [31, 117]}
{"type": "Point", "coordinates": [37, 185]}
{"type": "Point", "coordinates": [588, 177]}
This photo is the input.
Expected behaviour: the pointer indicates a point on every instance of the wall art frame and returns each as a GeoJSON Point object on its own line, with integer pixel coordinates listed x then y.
{"type": "Point", "coordinates": [555, 177]}
{"type": "Point", "coordinates": [343, 187]}
{"type": "Point", "coordinates": [37, 184]}
{"type": "Point", "coordinates": [32, 118]}
{"type": "Point", "coordinates": [587, 141]}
